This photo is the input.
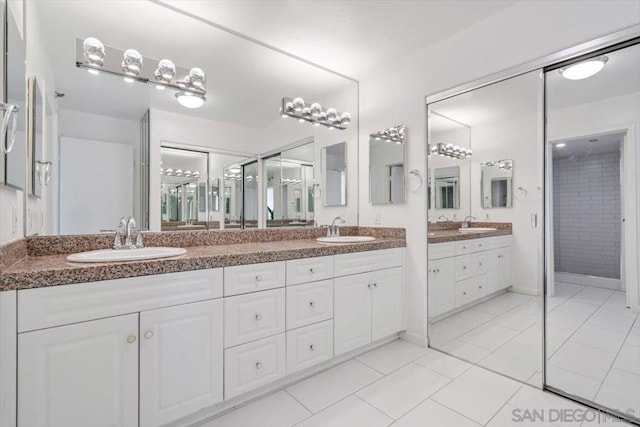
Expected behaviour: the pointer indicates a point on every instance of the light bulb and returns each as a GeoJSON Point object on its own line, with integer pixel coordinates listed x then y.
{"type": "Point", "coordinates": [196, 78]}
{"type": "Point", "coordinates": [93, 51]}
{"type": "Point", "coordinates": [316, 109]}
{"type": "Point", "coordinates": [584, 69]}
{"type": "Point", "coordinates": [306, 113]}
{"type": "Point", "coordinates": [132, 62]}
{"type": "Point", "coordinates": [298, 104]}
{"type": "Point", "coordinates": [345, 119]}
{"type": "Point", "coordinates": [332, 114]}
{"type": "Point", "coordinates": [93, 71]}
{"type": "Point", "coordinates": [128, 80]}
{"type": "Point", "coordinates": [166, 70]}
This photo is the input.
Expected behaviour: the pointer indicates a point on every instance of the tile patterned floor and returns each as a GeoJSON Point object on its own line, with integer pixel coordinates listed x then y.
{"type": "Point", "coordinates": [593, 342]}
{"type": "Point", "coordinates": [403, 385]}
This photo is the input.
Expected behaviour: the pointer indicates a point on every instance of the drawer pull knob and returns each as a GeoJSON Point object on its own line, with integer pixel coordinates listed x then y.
{"type": "Point", "coordinates": [480, 245]}
{"type": "Point", "coordinates": [464, 247]}
{"type": "Point", "coordinates": [464, 293]}
{"type": "Point", "coordinates": [258, 365]}
{"type": "Point", "coordinates": [369, 286]}
{"type": "Point", "coordinates": [437, 270]}
{"type": "Point", "coordinates": [258, 278]}
{"type": "Point", "coordinates": [148, 335]}
{"type": "Point", "coordinates": [312, 304]}
{"type": "Point", "coordinates": [375, 285]}
{"type": "Point", "coordinates": [312, 347]}
{"type": "Point", "coordinates": [464, 267]}
{"type": "Point", "coordinates": [311, 271]}
{"type": "Point", "coordinates": [480, 287]}
{"type": "Point", "coordinates": [480, 264]}
{"type": "Point", "coordinates": [131, 339]}
{"type": "Point", "coordinates": [258, 316]}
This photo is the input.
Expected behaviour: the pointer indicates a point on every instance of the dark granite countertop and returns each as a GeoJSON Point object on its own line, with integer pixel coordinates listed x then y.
{"type": "Point", "coordinates": [442, 232]}
{"type": "Point", "coordinates": [53, 270]}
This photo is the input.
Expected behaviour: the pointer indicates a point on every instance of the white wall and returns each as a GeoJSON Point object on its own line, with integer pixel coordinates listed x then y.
{"type": "Point", "coordinates": [389, 96]}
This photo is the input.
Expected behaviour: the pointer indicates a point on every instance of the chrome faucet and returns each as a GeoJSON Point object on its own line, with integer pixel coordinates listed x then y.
{"type": "Point", "coordinates": [465, 223]}
{"type": "Point", "coordinates": [333, 230]}
{"type": "Point", "coordinates": [446, 219]}
{"type": "Point", "coordinates": [117, 242]}
{"type": "Point", "coordinates": [131, 224]}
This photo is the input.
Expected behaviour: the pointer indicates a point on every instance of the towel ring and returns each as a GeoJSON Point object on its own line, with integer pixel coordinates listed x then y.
{"type": "Point", "coordinates": [525, 193]}
{"type": "Point", "coordinates": [416, 173]}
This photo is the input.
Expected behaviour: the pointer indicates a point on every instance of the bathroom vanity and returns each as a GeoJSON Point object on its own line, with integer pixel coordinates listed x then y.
{"type": "Point", "coordinates": [164, 348]}
{"type": "Point", "coordinates": [465, 268]}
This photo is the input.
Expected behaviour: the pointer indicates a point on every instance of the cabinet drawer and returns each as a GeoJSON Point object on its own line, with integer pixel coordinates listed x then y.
{"type": "Point", "coordinates": [310, 303]}
{"type": "Point", "coordinates": [479, 261]}
{"type": "Point", "coordinates": [242, 279]}
{"type": "Point", "coordinates": [60, 305]}
{"type": "Point", "coordinates": [471, 246]}
{"type": "Point", "coordinates": [362, 262]}
{"type": "Point", "coordinates": [464, 267]}
{"type": "Point", "coordinates": [309, 270]}
{"type": "Point", "coordinates": [309, 346]}
{"type": "Point", "coordinates": [470, 290]}
{"type": "Point", "coordinates": [441, 250]}
{"type": "Point", "coordinates": [252, 365]}
{"type": "Point", "coordinates": [253, 316]}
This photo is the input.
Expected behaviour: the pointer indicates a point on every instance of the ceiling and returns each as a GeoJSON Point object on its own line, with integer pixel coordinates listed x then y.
{"type": "Point", "coordinates": [349, 37]}
{"type": "Point", "coordinates": [587, 146]}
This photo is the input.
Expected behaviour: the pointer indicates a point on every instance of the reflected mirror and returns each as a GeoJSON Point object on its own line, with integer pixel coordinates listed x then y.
{"type": "Point", "coordinates": [447, 187]}
{"type": "Point", "coordinates": [334, 175]}
{"type": "Point", "coordinates": [449, 167]}
{"type": "Point", "coordinates": [497, 184]}
{"type": "Point", "coordinates": [107, 125]}
{"type": "Point", "coordinates": [14, 165]}
{"type": "Point", "coordinates": [289, 180]}
{"type": "Point", "coordinates": [386, 166]}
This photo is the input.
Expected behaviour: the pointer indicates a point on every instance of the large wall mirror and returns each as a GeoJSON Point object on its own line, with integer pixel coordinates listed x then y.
{"type": "Point", "coordinates": [334, 175]}
{"type": "Point", "coordinates": [387, 166]}
{"type": "Point", "coordinates": [105, 126]}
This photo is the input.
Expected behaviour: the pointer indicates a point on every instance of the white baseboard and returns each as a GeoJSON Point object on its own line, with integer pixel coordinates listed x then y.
{"type": "Point", "coordinates": [525, 291]}
{"type": "Point", "coordinates": [585, 280]}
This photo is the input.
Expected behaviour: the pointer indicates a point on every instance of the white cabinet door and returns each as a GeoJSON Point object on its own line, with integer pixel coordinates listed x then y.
{"type": "Point", "coordinates": [352, 312]}
{"type": "Point", "coordinates": [181, 356]}
{"type": "Point", "coordinates": [442, 286]}
{"type": "Point", "coordinates": [80, 375]}
{"type": "Point", "coordinates": [504, 262]}
{"type": "Point", "coordinates": [386, 303]}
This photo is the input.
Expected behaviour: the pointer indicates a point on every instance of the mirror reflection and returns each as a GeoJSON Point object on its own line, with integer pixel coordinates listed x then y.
{"type": "Point", "coordinates": [449, 167]}
{"type": "Point", "coordinates": [484, 264]}
{"type": "Point", "coordinates": [109, 121]}
{"type": "Point", "coordinates": [334, 175]}
{"type": "Point", "coordinates": [497, 184]}
{"type": "Point", "coordinates": [288, 186]}
{"type": "Point", "coordinates": [386, 166]}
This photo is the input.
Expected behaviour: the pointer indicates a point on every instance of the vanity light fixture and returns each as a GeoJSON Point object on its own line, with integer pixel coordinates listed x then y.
{"type": "Point", "coordinates": [95, 57]}
{"type": "Point", "coordinates": [314, 114]}
{"type": "Point", "coordinates": [393, 134]}
{"type": "Point", "coordinates": [450, 150]}
{"type": "Point", "coordinates": [235, 170]}
{"type": "Point", "coordinates": [584, 69]}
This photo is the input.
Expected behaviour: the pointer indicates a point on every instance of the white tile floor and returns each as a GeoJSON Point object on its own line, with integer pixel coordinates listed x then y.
{"type": "Point", "coordinates": [403, 385]}
{"type": "Point", "coordinates": [593, 341]}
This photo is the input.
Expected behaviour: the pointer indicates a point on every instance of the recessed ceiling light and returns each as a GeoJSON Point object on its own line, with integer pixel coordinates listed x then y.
{"type": "Point", "coordinates": [190, 100]}
{"type": "Point", "coordinates": [584, 69]}
{"type": "Point", "coordinates": [561, 145]}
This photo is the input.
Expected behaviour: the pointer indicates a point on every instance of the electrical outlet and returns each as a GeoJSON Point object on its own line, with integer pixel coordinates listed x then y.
{"type": "Point", "coordinates": [378, 218]}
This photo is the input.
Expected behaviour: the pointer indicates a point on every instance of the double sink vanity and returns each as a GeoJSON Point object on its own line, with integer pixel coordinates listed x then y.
{"type": "Point", "coordinates": [173, 341]}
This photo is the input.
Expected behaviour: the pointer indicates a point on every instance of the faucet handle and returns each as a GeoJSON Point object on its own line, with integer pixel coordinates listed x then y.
{"type": "Point", "coordinates": [117, 242]}
{"type": "Point", "coordinates": [139, 242]}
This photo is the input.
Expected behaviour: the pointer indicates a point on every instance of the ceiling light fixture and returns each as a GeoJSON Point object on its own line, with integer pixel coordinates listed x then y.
{"type": "Point", "coordinates": [584, 69]}
{"type": "Point", "coordinates": [331, 118]}
{"type": "Point", "coordinates": [561, 145]}
{"type": "Point", "coordinates": [450, 150]}
{"type": "Point", "coordinates": [190, 100]}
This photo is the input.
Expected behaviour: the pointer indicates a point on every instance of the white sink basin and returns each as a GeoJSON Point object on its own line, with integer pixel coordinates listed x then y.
{"type": "Point", "coordinates": [476, 229]}
{"type": "Point", "coordinates": [110, 255]}
{"type": "Point", "coordinates": [346, 239]}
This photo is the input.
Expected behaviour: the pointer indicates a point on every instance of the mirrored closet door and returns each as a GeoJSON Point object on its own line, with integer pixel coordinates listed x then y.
{"type": "Point", "coordinates": [592, 325]}
{"type": "Point", "coordinates": [485, 235]}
